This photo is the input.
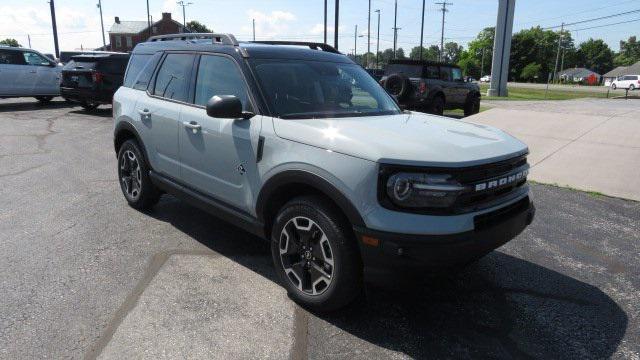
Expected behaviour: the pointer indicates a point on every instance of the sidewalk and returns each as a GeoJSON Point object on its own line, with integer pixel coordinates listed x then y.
{"type": "Point", "coordinates": [588, 144]}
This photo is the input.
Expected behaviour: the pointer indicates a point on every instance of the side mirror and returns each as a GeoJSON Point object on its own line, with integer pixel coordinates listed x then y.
{"type": "Point", "coordinates": [226, 106]}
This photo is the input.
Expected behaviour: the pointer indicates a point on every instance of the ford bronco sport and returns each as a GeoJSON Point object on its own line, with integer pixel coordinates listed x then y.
{"type": "Point", "coordinates": [431, 87]}
{"type": "Point", "coordinates": [299, 145]}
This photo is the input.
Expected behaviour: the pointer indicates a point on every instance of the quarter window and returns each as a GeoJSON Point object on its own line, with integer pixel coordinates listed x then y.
{"type": "Point", "coordinates": [173, 76]}
{"type": "Point", "coordinates": [219, 75]}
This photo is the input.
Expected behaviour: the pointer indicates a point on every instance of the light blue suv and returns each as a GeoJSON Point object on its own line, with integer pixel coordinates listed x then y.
{"type": "Point", "coordinates": [28, 73]}
{"type": "Point", "coordinates": [298, 145]}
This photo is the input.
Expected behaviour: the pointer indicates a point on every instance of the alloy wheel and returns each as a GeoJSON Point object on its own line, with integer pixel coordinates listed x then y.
{"type": "Point", "coordinates": [306, 255]}
{"type": "Point", "coordinates": [130, 175]}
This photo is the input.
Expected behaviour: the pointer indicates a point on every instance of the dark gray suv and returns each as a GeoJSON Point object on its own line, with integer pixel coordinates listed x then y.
{"type": "Point", "coordinates": [430, 87]}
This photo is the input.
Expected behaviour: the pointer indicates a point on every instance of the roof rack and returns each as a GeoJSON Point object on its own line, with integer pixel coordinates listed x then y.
{"type": "Point", "coordinates": [311, 45]}
{"type": "Point", "coordinates": [225, 39]}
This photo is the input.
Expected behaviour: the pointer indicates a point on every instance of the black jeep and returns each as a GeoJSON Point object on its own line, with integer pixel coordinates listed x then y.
{"type": "Point", "coordinates": [430, 87]}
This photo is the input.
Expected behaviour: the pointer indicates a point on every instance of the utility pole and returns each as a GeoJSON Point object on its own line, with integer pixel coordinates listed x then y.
{"type": "Point", "coordinates": [254, 29]}
{"type": "Point", "coordinates": [335, 28]}
{"type": "Point", "coordinates": [444, 11]}
{"type": "Point", "coordinates": [148, 19]}
{"type": "Point", "coordinates": [325, 21]}
{"type": "Point", "coordinates": [395, 29]}
{"type": "Point", "coordinates": [368, 36]}
{"type": "Point", "coordinates": [482, 64]}
{"type": "Point", "coordinates": [555, 68]}
{"type": "Point", "coordinates": [29, 39]}
{"type": "Point", "coordinates": [422, 30]}
{"type": "Point", "coordinates": [55, 28]}
{"type": "Point", "coordinates": [184, 17]}
{"type": "Point", "coordinates": [104, 42]}
{"type": "Point", "coordinates": [378, 42]}
{"type": "Point", "coordinates": [355, 45]}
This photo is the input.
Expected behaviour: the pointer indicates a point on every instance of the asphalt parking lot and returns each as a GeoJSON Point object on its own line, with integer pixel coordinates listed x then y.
{"type": "Point", "coordinates": [85, 276]}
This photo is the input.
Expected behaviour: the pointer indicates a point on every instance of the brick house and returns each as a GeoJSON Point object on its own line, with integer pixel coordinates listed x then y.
{"type": "Point", "coordinates": [125, 35]}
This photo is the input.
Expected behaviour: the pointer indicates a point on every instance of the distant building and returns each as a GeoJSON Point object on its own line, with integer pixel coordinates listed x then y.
{"type": "Point", "coordinates": [125, 35]}
{"type": "Point", "coordinates": [621, 71]}
{"type": "Point", "coordinates": [579, 75]}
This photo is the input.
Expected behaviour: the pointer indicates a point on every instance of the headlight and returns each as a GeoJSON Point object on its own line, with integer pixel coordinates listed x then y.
{"type": "Point", "coordinates": [419, 190]}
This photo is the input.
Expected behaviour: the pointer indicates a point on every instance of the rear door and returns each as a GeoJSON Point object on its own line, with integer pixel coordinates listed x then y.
{"type": "Point", "coordinates": [448, 87]}
{"type": "Point", "coordinates": [15, 75]}
{"type": "Point", "coordinates": [215, 153]}
{"type": "Point", "coordinates": [159, 111]}
{"type": "Point", "coordinates": [461, 87]}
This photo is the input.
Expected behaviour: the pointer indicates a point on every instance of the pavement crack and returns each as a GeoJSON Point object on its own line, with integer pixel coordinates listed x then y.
{"type": "Point", "coordinates": [22, 171]}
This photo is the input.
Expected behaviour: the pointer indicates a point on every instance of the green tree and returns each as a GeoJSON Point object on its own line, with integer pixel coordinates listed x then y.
{"type": "Point", "coordinates": [196, 26]}
{"type": "Point", "coordinates": [482, 46]}
{"type": "Point", "coordinates": [469, 65]}
{"type": "Point", "coordinates": [430, 53]}
{"type": "Point", "coordinates": [10, 42]}
{"type": "Point", "coordinates": [400, 54]}
{"type": "Point", "coordinates": [537, 46]}
{"type": "Point", "coordinates": [452, 52]}
{"type": "Point", "coordinates": [386, 56]}
{"type": "Point", "coordinates": [531, 72]}
{"type": "Point", "coordinates": [629, 52]}
{"type": "Point", "coordinates": [595, 55]}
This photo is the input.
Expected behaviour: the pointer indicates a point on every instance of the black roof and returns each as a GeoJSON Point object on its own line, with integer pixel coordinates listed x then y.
{"type": "Point", "coordinates": [226, 44]}
{"type": "Point", "coordinates": [420, 62]}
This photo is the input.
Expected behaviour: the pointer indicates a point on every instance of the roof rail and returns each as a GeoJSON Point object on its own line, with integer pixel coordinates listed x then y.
{"type": "Point", "coordinates": [311, 45]}
{"type": "Point", "coordinates": [225, 39]}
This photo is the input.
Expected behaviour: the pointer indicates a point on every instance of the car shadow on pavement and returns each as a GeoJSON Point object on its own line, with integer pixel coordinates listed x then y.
{"type": "Point", "coordinates": [20, 105]}
{"type": "Point", "coordinates": [99, 112]}
{"type": "Point", "coordinates": [499, 307]}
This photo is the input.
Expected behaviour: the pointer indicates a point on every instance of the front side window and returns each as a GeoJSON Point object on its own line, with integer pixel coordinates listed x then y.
{"type": "Point", "coordinates": [219, 75]}
{"type": "Point", "coordinates": [32, 58]}
{"type": "Point", "coordinates": [299, 89]}
{"type": "Point", "coordinates": [173, 77]}
{"type": "Point", "coordinates": [456, 74]}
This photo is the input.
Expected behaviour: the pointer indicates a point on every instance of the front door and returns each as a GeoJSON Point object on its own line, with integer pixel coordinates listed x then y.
{"type": "Point", "coordinates": [218, 154]}
{"type": "Point", "coordinates": [16, 77]}
{"type": "Point", "coordinates": [47, 74]}
{"type": "Point", "coordinates": [160, 110]}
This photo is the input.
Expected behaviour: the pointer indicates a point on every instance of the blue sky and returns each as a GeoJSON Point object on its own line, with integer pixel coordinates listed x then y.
{"type": "Point", "coordinates": [79, 21]}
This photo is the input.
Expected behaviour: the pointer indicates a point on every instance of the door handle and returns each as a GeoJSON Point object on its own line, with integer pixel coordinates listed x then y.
{"type": "Point", "coordinates": [144, 112]}
{"type": "Point", "coordinates": [192, 125]}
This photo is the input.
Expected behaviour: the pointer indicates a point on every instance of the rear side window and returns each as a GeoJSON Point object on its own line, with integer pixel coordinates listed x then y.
{"type": "Point", "coordinates": [11, 57]}
{"type": "Point", "coordinates": [140, 70]}
{"type": "Point", "coordinates": [113, 65]}
{"type": "Point", "coordinates": [634, 77]}
{"type": "Point", "coordinates": [173, 77]}
{"type": "Point", "coordinates": [412, 71]}
{"type": "Point", "coordinates": [219, 75]}
{"type": "Point", "coordinates": [432, 72]}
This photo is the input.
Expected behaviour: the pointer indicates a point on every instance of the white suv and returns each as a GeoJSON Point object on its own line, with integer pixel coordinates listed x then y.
{"type": "Point", "coordinates": [28, 73]}
{"type": "Point", "coordinates": [630, 82]}
{"type": "Point", "coordinates": [299, 145]}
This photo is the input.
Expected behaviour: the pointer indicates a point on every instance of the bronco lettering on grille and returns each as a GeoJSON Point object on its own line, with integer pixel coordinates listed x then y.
{"type": "Point", "coordinates": [500, 182]}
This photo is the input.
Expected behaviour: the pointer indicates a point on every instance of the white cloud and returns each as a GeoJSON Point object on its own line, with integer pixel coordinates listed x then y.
{"type": "Point", "coordinates": [318, 29]}
{"type": "Point", "coordinates": [274, 24]}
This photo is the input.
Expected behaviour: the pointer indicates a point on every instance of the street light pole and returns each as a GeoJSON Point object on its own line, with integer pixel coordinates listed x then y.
{"type": "Point", "coordinates": [325, 21]}
{"type": "Point", "coordinates": [335, 29]}
{"type": "Point", "coordinates": [368, 35]}
{"type": "Point", "coordinates": [422, 30]}
{"type": "Point", "coordinates": [104, 42]}
{"type": "Point", "coordinates": [55, 28]}
{"type": "Point", "coordinates": [378, 42]}
{"type": "Point", "coordinates": [355, 45]}
{"type": "Point", "coordinates": [254, 29]}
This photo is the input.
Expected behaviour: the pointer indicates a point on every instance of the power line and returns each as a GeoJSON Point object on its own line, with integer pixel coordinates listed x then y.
{"type": "Point", "coordinates": [601, 26]}
{"type": "Point", "coordinates": [575, 13]}
{"type": "Point", "coordinates": [595, 19]}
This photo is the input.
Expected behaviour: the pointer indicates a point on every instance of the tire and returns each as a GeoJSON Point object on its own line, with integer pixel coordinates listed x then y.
{"type": "Point", "coordinates": [44, 99]}
{"type": "Point", "coordinates": [327, 278]}
{"type": "Point", "coordinates": [133, 176]}
{"type": "Point", "coordinates": [398, 85]}
{"type": "Point", "coordinates": [472, 106]}
{"type": "Point", "coordinates": [613, 86]}
{"type": "Point", "coordinates": [88, 107]}
{"type": "Point", "coordinates": [437, 105]}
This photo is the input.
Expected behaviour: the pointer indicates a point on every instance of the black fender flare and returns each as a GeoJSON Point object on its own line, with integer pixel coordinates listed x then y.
{"type": "Point", "coordinates": [303, 177]}
{"type": "Point", "coordinates": [128, 127]}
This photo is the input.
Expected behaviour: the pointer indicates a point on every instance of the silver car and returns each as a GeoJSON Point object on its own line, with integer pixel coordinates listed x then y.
{"type": "Point", "coordinates": [28, 73]}
{"type": "Point", "coordinates": [297, 144]}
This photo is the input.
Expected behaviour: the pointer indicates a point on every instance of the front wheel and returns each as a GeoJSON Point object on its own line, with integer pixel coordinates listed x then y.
{"type": "Point", "coordinates": [315, 255]}
{"type": "Point", "coordinates": [472, 106]}
{"type": "Point", "coordinates": [437, 106]}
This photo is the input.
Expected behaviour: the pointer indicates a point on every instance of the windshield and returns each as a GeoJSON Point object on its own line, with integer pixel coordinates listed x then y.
{"type": "Point", "coordinates": [302, 89]}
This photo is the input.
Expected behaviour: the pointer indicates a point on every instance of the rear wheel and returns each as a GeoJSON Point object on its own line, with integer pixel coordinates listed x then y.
{"type": "Point", "coordinates": [133, 173]}
{"type": "Point", "coordinates": [44, 99]}
{"type": "Point", "coordinates": [437, 105]}
{"type": "Point", "coordinates": [472, 106]}
{"type": "Point", "coordinates": [315, 255]}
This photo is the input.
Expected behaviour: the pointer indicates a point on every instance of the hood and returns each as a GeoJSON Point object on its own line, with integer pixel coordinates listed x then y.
{"type": "Point", "coordinates": [407, 139]}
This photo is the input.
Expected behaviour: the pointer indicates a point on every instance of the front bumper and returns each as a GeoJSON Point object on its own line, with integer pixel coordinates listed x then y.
{"type": "Point", "coordinates": [492, 230]}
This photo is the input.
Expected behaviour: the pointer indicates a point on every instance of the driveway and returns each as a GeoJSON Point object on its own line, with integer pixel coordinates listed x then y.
{"type": "Point", "coordinates": [588, 144]}
{"type": "Point", "coordinates": [84, 276]}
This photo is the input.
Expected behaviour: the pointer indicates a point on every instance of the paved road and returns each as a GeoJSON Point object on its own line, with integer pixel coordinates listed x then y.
{"type": "Point", "coordinates": [84, 275]}
{"type": "Point", "coordinates": [589, 144]}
